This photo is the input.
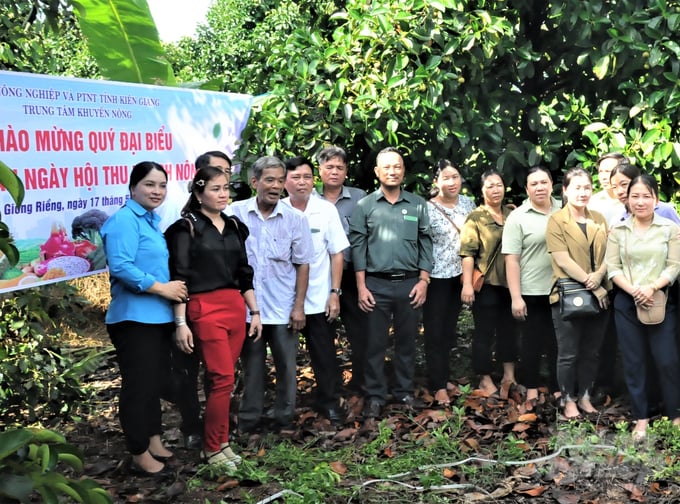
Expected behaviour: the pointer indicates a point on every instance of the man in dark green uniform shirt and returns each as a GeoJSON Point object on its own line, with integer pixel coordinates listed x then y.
{"type": "Point", "coordinates": [392, 255]}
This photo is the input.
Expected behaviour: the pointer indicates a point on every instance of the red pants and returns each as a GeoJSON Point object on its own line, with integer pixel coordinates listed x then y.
{"type": "Point", "coordinates": [218, 323]}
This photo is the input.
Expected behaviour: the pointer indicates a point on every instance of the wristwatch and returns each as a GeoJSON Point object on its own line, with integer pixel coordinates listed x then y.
{"type": "Point", "coordinates": [336, 291]}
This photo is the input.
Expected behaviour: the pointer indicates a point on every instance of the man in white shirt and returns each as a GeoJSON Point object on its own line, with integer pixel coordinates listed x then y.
{"type": "Point", "coordinates": [280, 251]}
{"type": "Point", "coordinates": [322, 303]}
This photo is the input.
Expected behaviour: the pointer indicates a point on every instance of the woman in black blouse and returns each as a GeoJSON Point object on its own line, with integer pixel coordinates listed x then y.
{"type": "Point", "coordinates": [207, 251]}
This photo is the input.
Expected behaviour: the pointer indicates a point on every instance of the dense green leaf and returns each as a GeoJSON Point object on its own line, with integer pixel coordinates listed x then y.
{"type": "Point", "coordinates": [123, 38]}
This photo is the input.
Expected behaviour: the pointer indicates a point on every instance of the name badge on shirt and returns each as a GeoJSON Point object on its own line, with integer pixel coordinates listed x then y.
{"type": "Point", "coordinates": [315, 230]}
{"type": "Point", "coordinates": [411, 218]}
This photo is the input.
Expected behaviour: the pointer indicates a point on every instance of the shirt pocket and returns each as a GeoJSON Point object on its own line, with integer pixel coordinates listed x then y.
{"type": "Point", "coordinates": [278, 249]}
{"type": "Point", "coordinates": [410, 227]}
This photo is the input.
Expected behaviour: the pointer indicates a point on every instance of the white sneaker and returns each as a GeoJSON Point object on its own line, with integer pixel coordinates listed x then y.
{"type": "Point", "coordinates": [228, 452]}
{"type": "Point", "coordinates": [217, 458]}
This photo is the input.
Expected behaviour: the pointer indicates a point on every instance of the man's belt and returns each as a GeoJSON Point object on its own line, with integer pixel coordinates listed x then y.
{"type": "Point", "coordinates": [394, 276]}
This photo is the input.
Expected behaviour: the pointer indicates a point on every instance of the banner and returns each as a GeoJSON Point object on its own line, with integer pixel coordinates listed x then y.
{"type": "Point", "coordinates": [73, 143]}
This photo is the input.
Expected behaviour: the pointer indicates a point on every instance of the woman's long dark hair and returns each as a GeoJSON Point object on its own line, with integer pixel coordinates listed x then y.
{"type": "Point", "coordinates": [202, 177]}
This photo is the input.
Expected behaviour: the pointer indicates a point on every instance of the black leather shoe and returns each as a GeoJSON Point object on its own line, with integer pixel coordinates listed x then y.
{"type": "Point", "coordinates": [334, 414]}
{"type": "Point", "coordinates": [410, 402]}
{"type": "Point", "coordinates": [137, 470]}
{"type": "Point", "coordinates": [193, 441]}
{"type": "Point", "coordinates": [372, 409]}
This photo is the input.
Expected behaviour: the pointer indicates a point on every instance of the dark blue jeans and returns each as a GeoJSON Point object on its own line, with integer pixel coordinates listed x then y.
{"type": "Point", "coordinates": [636, 342]}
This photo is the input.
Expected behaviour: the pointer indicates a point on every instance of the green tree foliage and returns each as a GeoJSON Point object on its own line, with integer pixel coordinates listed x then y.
{"type": "Point", "coordinates": [234, 43]}
{"type": "Point", "coordinates": [43, 37]}
{"type": "Point", "coordinates": [38, 377]}
{"type": "Point", "coordinates": [503, 84]}
{"type": "Point", "coordinates": [29, 463]}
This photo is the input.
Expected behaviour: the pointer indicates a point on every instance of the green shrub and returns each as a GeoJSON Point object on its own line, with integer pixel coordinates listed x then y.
{"type": "Point", "coordinates": [32, 460]}
{"type": "Point", "coordinates": [38, 377]}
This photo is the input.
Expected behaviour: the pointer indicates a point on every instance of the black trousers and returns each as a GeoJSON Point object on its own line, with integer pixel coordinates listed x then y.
{"type": "Point", "coordinates": [538, 339]}
{"type": "Point", "coordinates": [184, 391]}
{"type": "Point", "coordinates": [143, 352]}
{"type": "Point", "coordinates": [440, 318]}
{"type": "Point", "coordinates": [578, 352]}
{"type": "Point", "coordinates": [392, 305]}
{"type": "Point", "coordinates": [493, 323]}
{"type": "Point", "coordinates": [320, 339]}
{"type": "Point", "coordinates": [354, 321]}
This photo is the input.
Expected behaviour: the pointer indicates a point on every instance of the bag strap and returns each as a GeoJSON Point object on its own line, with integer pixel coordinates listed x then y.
{"type": "Point", "coordinates": [441, 210]}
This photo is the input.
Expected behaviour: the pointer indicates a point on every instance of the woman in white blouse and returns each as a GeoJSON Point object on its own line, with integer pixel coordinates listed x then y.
{"type": "Point", "coordinates": [448, 210]}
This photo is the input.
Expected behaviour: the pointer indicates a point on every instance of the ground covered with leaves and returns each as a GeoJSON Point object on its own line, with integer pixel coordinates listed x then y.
{"type": "Point", "coordinates": [479, 449]}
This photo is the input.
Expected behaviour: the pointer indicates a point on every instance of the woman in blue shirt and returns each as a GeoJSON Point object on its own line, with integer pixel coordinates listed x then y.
{"type": "Point", "coordinates": [140, 318]}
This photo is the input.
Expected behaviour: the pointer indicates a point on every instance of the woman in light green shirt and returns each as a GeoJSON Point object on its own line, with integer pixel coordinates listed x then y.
{"type": "Point", "coordinates": [643, 256]}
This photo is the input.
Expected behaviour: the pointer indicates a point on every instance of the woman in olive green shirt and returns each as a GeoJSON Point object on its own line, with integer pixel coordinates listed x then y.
{"type": "Point", "coordinates": [481, 248]}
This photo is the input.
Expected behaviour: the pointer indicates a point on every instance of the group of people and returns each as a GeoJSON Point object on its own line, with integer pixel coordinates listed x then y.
{"type": "Point", "coordinates": [224, 281]}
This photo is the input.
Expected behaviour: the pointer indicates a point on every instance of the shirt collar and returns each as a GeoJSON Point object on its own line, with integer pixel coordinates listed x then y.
{"type": "Point", "coordinates": [140, 211]}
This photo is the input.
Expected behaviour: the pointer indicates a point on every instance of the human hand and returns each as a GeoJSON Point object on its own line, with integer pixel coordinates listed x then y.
{"type": "Point", "coordinates": [467, 294]}
{"type": "Point", "coordinates": [366, 299]}
{"type": "Point", "coordinates": [519, 309]}
{"type": "Point", "coordinates": [184, 339]}
{"type": "Point", "coordinates": [418, 294]}
{"type": "Point", "coordinates": [255, 329]}
{"type": "Point", "coordinates": [175, 290]}
{"type": "Point", "coordinates": [297, 318]}
{"type": "Point", "coordinates": [332, 307]}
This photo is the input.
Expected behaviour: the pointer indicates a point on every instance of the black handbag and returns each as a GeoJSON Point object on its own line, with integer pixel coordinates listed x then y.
{"type": "Point", "coordinates": [576, 301]}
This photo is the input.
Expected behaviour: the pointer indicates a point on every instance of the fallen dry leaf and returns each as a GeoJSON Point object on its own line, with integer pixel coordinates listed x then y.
{"type": "Point", "coordinates": [345, 434]}
{"type": "Point", "coordinates": [388, 452]}
{"type": "Point", "coordinates": [566, 498]}
{"type": "Point", "coordinates": [635, 492]}
{"type": "Point", "coordinates": [227, 485]}
{"type": "Point", "coordinates": [521, 427]}
{"type": "Point", "coordinates": [527, 417]}
{"type": "Point", "coordinates": [534, 491]}
{"type": "Point", "coordinates": [449, 473]}
{"type": "Point", "coordinates": [261, 452]}
{"type": "Point", "coordinates": [525, 471]}
{"type": "Point", "coordinates": [338, 467]}
{"type": "Point", "coordinates": [472, 443]}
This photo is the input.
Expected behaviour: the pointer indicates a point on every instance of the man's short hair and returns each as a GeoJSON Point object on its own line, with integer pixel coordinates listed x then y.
{"type": "Point", "coordinates": [265, 162]}
{"type": "Point", "coordinates": [388, 150]}
{"type": "Point", "coordinates": [331, 152]}
{"type": "Point", "coordinates": [204, 159]}
{"type": "Point", "coordinates": [294, 163]}
{"type": "Point", "coordinates": [620, 158]}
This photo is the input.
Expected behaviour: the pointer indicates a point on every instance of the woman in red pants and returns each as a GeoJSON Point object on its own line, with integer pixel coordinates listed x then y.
{"type": "Point", "coordinates": [207, 251]}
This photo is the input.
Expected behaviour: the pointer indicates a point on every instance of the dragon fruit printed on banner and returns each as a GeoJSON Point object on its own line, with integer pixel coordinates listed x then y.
{"type": "Point", "coordinates": [73, 142]}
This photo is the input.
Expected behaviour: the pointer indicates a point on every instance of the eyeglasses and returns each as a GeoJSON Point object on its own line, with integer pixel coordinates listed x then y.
{"type": "Point", "coordinates": [334, 167]}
